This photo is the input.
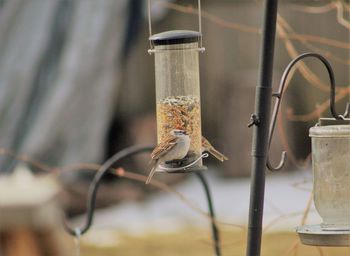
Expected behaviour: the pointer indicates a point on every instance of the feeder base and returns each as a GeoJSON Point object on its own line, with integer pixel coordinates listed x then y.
{"type": "Point", "coordinates": [316, 236]}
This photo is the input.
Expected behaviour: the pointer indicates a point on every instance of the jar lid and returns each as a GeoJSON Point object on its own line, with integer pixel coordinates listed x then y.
{"type": "Point", "coordinates": [330, 131]}
{"type": "Point", "coordinates": [324, 121]}
{"type": "Point", "coordinates": [175, 37]}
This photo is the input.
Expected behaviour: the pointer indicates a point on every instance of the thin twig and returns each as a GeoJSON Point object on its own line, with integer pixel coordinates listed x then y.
{"type": "Point", "coordinates": [320, 109]}
{"type": "Point", "coordinates": [311, 77]}
{"type": "Point", "coordinates": [293, 247]}
{"type": "Point", "coordinates": [307, 210]}
{"type": "Point", "coordinates": [212, 18]}
{"type": "Point", "coordinates": [305, 71]}
{"type": "Point", "coordinates": [138, 177]}
{"type": "Point", "coordinates": [317, 39]}
{"type": "Point", "coordinates": [313, 9]}
{"type": "Point", "coordinates": [251, 29]}
{"type": "Point", "coordinates": [26, 159]}
{"type": "Point", "coordinates": [338, 5]}
{"type": "Point", "coordinates": [340, 15]}
{"type": "Point", "coordinates": [280, 218]}
{"type": "Point", "coordinates": [319, 250]}
{"type": "Point", "coordinates": [325, 53]}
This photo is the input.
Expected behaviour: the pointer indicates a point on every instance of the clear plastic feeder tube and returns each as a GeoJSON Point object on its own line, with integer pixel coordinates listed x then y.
{"type": "Point", "coordinates": [331, 169]}
{"type": "Point", "coordinates": [178, 89]}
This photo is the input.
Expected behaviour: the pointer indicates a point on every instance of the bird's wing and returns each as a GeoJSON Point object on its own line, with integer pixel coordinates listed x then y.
{"type": "Point", "coordinates": [205, 143]}
{"type": "Point", "coordinates": [164, 147]}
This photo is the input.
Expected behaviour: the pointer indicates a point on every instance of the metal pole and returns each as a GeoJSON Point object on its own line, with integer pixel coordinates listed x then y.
{"type": "Point", "coordinates": [260, 121]}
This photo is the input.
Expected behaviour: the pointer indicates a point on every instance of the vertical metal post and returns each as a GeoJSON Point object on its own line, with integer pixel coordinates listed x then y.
{"type": "Point", "coordinates": [261, 121]}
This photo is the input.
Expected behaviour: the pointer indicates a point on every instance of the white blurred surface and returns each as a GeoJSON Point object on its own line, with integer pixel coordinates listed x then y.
{"type": "Point", "coordinates": [164, 212]}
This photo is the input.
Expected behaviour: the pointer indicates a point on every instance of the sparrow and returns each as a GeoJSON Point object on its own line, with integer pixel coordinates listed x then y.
{"type": "Point", "coordinates": [174, 147]}
{"type": "Point", "coordinates": [207, 147]}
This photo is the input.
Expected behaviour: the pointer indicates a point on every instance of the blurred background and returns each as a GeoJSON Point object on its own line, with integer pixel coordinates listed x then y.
{"type": "Point", "coordinates": [77, 85]}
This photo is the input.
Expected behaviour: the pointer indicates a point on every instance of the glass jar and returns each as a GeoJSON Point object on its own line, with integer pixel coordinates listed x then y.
{"type": "Point", "coordinates": [331, 170]}
{"type": "Point", "coordinates": [177, 89]}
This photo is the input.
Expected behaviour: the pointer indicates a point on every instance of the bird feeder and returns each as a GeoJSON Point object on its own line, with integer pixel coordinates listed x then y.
{"type": "Point", "coordinates": [330, 164]}
{"type": "Point", "coordinates": [331, 186]}
{"type": "Point", "coordinates": [178, 90]}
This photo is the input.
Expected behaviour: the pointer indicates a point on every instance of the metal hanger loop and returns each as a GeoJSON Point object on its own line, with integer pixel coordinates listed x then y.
{"type": "Point", "coordinates": [279, 96]}
{"type": "Point", "coordinates": [182, 168]}
{"type": "Point", "coordinates": [199, 23]}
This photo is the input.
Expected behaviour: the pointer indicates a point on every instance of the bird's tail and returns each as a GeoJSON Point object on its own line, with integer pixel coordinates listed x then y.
{"type": "Point", "coordinates": [152, 172]}
{"type": "Point", "coordinates": [218, 155]}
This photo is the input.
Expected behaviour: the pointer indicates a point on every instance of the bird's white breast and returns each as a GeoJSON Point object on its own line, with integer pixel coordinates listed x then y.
{"type": "Point", "coordinates": [180, 150]}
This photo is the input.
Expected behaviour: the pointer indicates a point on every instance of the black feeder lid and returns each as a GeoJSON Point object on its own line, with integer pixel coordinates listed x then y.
{"type": "Point", "coordinates": [175, 37]}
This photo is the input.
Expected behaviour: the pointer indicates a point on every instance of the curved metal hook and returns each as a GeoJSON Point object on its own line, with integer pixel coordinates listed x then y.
{"type": "Point", "coordinates": [279, 95]}
{"type": "Point", "coordinates": [214, 229]}
{"type": "Point", "coordinates": [347, 110]}
{"type": "Point", "coordinates": [105, 168]}
{"type": "Point", "coordinates": [127, 152]}
{"type": "Point", "coordinates": [280, 165]}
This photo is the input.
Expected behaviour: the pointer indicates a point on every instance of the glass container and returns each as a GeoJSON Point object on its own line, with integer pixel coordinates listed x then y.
{"type": "Point", "coordinates": [331, 170]}
{"type": "Point", "coordinates": [178, 89]}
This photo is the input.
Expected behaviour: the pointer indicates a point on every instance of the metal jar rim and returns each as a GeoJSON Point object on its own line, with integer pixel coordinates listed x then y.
{"type": "Point", "coordinates": [330, 131]}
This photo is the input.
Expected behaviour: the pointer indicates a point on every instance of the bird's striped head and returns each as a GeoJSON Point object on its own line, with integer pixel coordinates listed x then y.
{"type": "Point", "coordinates": [178, 132]}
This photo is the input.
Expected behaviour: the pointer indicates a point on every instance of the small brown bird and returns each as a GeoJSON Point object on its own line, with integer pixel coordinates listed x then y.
{"type": "Point", "coordinates": [175, 147]}
{"type": "Point", "coordinates": [207, 147]}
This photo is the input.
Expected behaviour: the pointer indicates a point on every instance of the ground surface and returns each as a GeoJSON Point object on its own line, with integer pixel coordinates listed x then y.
{"type": "Point", "coordinates": [165, 225]}
{"type": "Point", "coordinates": [197, 243]}
{"type": "Point", "coordinates": [286, 197]}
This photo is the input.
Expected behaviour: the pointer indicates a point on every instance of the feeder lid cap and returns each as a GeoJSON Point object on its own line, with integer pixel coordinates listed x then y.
{"type": "Point", "coordinates": [332, 121]}
{"type": "Point", "coordinates": [175, 37]}
{"type": "Point", "coordinates": [330, 131]}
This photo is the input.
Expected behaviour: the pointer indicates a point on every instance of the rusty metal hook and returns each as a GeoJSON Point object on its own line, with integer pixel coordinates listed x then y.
{"type": "Point", "coordinates": [279, 96]}
{"type": "Point", "coordinates": [347, 111]}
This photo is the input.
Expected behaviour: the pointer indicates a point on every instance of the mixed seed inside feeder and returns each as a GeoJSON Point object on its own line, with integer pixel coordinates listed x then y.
{"type": "Point", "coordinates": [181, 112]}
